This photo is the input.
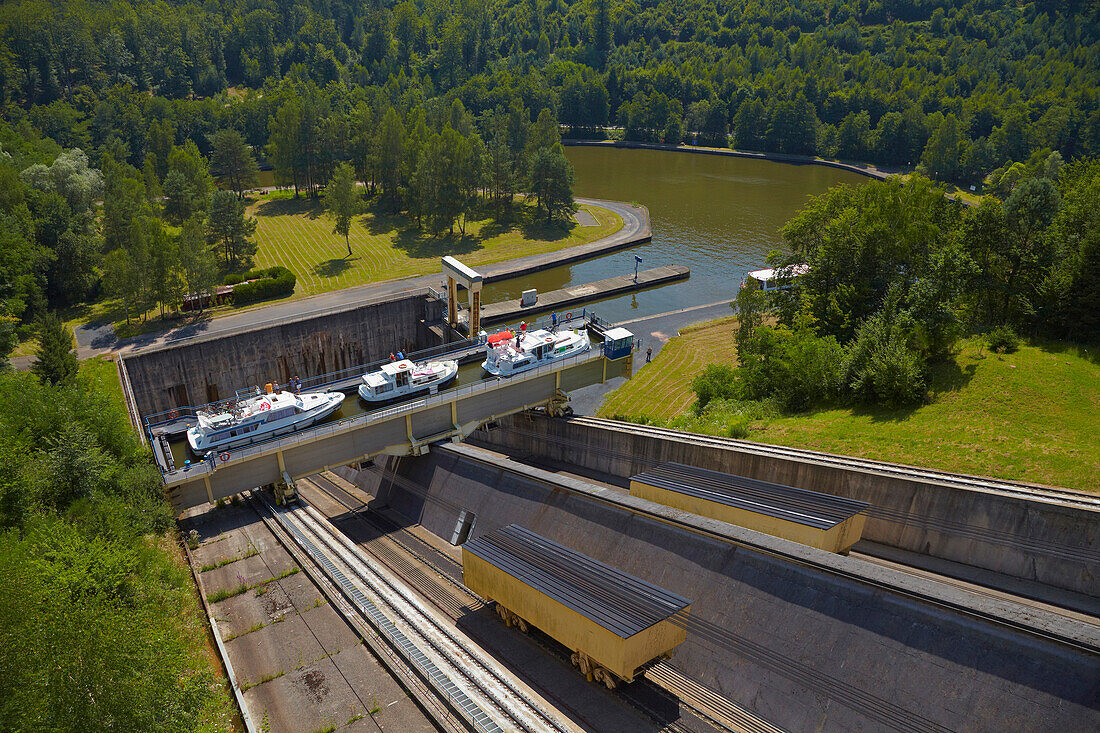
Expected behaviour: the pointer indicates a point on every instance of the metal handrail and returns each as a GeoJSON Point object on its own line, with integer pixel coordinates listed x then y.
{"type": "Point", "coordinates": [443, 397]}
{"type": "Point", "coordinates": [310, 314]}
{"type": "Point", "coordinates": [319, 381]}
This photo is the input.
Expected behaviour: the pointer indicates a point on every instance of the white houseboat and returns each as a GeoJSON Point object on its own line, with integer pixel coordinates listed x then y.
{"type": "Point", "coordinates": [259, 417]}
{"type": "Point", "coordinates": [769, 279]}
{"type": "Point", "coordinates": [509, 354]}
{"type": "Point", "coordinates": [404, 378]}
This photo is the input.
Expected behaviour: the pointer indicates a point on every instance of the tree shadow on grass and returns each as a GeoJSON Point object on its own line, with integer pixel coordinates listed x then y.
{"type": "Point", "coordinates": [419, 243]}
{"type": "Point", "coordinates": [379, 220]}
{"type": "Point", "coordinates": [303, 206]}
{"type": "Point", "coordinates": [544, 232]}
{"type": "Point", "coordinates": [944, 377]}
{"type": "Point", "coordinates": [334, 267]}
{"type": "Point", "coordinates": [1090, 352]}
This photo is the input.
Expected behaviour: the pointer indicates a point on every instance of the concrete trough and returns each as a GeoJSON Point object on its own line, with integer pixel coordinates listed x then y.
{"type": "Point", "coordinates": [609, 619]}
{"type": "Point", "coordinates": [827, 522]}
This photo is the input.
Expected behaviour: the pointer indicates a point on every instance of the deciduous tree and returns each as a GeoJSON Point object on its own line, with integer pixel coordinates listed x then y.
{"type": "Point", "coordinates": [342, 201]}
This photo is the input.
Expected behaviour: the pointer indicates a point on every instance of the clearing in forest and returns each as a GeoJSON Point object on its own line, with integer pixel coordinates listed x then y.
{"type": "Point", "coordinates": [1032, 415]}
{"type": "Point", "coordinates": [297, 234]}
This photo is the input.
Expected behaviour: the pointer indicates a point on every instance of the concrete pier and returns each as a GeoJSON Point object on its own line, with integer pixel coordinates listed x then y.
{"type": "Point", "coordinates": [803, 638]}
{"type": "Point", "coordinates": [566, 298]}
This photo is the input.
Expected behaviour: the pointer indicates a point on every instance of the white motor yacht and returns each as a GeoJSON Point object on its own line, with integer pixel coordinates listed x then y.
{"type": "Point", "coordinates": [259, 417]}
{"type": "Point", "coordinates": [509, 354]}
{"type": "Point", "coordinates": [404, 378]}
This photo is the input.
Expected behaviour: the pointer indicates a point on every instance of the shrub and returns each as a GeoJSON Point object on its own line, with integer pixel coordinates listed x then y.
{"type": "Point", "coordinates": [797, 368]}
{"type": "Point", "coordinates": [715, 382]}
{"type": "Point", "coordinates": [233, 279]}
{"type": "Point", "coordinates": [882, 367]}
{"type": "Point", "coordinates": [275, 282]}
{"type": "Point", "coordinates": [1002, 339]}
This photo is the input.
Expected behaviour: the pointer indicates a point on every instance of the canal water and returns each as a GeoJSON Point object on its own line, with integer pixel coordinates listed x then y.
{"type": "Point", "coordinates": [352, 405]}
{"type": "Point", "coordinates": [718, 215]}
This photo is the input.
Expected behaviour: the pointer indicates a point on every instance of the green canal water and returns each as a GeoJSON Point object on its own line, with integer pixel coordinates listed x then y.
{"type": "Point", "coordinates": [352, 406]}
{"type": "Point", "coordinates": [718, 215]}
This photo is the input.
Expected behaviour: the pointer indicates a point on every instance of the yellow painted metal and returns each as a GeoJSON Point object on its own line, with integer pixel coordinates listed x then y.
{"type": "Point", "coordinates": [838, 538]}
{"type": "Point", "coordinates": [578, 633]}
{"type": "Point", "coordinates": [209, 488]}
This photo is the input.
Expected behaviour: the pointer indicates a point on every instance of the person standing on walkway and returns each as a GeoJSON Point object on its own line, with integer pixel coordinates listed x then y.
{"type": "Point", "coordinates": [554, 321]}
{"type": "Point", "coordinates": [649, 355]}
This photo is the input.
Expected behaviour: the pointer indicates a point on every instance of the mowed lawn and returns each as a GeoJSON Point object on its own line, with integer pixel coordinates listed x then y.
{"type": "Point", "coordinates": [297, 234]}
{"type": "Point", "coordinates": [1033, 415]}
{"type": "Point", "coordinates": [662, 389]}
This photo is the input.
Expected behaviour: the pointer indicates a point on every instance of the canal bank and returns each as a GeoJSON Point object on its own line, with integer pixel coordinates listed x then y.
{"type": "Point", "coordinates": [862, 169]}
{"type": "Point", "coordinates": [720, 216]}
{"type": "Point", "coordinates": [577, 296]}
{"type": "Point", "coordinates": [95, 339]}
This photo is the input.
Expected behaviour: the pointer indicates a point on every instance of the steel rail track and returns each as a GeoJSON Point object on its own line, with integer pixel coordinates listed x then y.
{"type": "Point", "coordinates": [700, 700]}
{"type": "Point", "coordinates": [1025, 490]}
{"type": "Point", "coordinates": [958, 528]}
{"type": "Point", "coordinates": [849, 574]}
{"type": "Point", "coordinates": [460, 662]}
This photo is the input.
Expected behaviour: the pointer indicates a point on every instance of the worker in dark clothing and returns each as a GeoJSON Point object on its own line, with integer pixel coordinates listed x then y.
{"type": "Point", "coordinates": [649, 355]}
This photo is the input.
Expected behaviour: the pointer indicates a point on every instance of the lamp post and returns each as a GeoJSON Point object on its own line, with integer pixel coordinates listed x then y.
{"type": "Point", "coordinates": [637, 261]}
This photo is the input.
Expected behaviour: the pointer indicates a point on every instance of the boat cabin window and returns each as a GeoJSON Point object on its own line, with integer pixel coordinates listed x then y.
{"type": "Point", "coordinates": [383, 388]}
{"type": "Point", "coordinates": [402, 378]}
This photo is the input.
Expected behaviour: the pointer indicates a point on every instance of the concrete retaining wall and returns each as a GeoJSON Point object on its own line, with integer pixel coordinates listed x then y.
{"type": "Point", "coordinates": [205, 370]}
{"type": "Point", "coordinates": [798, 632]}
{"type": "Point", "coordinates": [1032, 540]}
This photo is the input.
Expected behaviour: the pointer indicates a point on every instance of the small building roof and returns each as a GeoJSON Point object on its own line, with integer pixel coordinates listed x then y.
{"type": "Point", "coordinates": [617, 333]}
{"type": "Point", "coordinates": [619, 602]}
{"type": "Point", "coordinates": [810, 508]}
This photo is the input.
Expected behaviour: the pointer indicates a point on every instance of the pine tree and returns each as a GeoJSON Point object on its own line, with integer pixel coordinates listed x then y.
{"type": "Point", "coordinates": [56, 362]}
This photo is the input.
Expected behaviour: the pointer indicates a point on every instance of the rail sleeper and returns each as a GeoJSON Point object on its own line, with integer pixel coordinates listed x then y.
{"type": "Point", "coordinates": [614, 623]}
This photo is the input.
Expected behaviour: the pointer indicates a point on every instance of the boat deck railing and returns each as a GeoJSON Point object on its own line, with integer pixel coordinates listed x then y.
{"type": "Point", "coordinates": [385, 413]}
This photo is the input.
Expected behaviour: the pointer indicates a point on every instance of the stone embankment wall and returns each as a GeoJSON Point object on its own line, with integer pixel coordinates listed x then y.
{"type": "Point", "coordinates": [202, 370]}
{"type": "Point", "coordinates": [1032, 540]}
{"type": "Point", "coordinates": [804, 648]}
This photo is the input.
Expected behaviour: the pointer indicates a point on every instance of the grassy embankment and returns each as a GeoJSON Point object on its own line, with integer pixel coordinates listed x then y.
{"type": "Point", "coordinates": [296, 234]}
{"type": "Point", "coordinates": [1032, 415]}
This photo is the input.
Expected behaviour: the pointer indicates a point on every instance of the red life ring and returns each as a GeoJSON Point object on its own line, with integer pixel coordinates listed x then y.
{"type": "Point", "coordinates": [569, 316]}
{"type": "Point", "coordinates": [173, 414]}
{"type": "Point", "coordinates": [224, 457]}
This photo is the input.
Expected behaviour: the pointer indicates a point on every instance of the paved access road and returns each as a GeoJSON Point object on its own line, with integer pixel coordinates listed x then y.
{"type": "Point", "coordinates": [94, 339]}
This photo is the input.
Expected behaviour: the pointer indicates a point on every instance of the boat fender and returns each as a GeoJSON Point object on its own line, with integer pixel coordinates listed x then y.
{"type": "Point", "coordinates": [224, 457]}
{"type": "Point", "coordinates": [173, 414]}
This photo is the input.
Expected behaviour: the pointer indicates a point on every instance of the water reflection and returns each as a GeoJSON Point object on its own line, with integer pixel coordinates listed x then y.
{"type": "Point", "coordinates": [719, 216]}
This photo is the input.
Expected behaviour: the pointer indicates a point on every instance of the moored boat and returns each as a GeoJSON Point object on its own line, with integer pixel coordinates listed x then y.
{"type": "Point", "coordinates": [510, 354]}
{"type": "Point", "coordinates": [405, 378]}
{"type": "Point", "coordinates": [259, 417]}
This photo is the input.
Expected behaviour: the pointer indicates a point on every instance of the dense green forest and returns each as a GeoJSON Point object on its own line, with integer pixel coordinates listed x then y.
{"type": "Point", "coordinates": [964, 88]}
{"type": "Point", "coordinates": [441, 109]}
{"type": "Point", "coordinates": [100, 627]}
